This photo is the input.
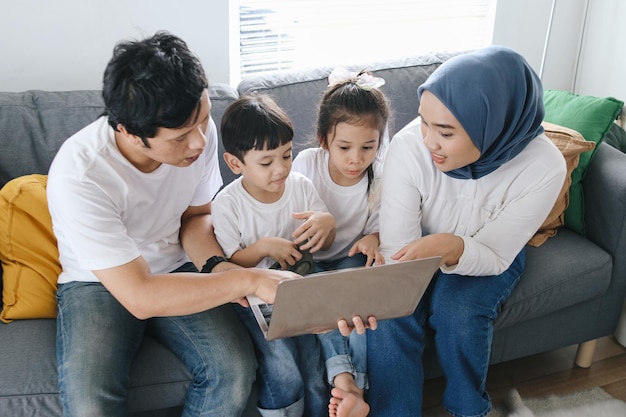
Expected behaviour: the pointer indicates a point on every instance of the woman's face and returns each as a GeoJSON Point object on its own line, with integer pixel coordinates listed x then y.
{"type": "Point", "coordinates": [449, 144]}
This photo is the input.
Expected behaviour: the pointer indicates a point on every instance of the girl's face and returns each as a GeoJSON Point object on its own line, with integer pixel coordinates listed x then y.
{"type": "Point", "coordinates": [352, 150]}
{"type": "Point", "coordinates": [449, 144]}
{"type": "Point", "coordinates": [263, 173]}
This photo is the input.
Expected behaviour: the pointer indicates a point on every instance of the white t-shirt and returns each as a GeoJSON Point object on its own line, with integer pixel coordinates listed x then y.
{"type": "Point", "coordinates": [495, 215]}
{"type": "Point", "coordinates": [105, 212]}
{"type": "Point", "coordinates": [240, 220]}
{"type": "Point", "coordinates": [347, 204]}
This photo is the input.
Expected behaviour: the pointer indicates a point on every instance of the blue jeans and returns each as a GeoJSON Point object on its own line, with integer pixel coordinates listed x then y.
{"type": "Point", "coordinates": [290, 376]}
{"type": "Point", "coordinates": [461, 310]}
{"type": "Point", "coordinates": [97, 340]}
{"type": "Point", "coordinates": [344, 354]}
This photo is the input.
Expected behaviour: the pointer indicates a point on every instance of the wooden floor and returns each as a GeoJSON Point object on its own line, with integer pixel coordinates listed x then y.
{"type": "Point", "coordinates": [549, 373]}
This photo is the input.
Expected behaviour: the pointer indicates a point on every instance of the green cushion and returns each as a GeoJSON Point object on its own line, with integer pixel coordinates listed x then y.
{"type": "Point", "coordinates": [591, 117]}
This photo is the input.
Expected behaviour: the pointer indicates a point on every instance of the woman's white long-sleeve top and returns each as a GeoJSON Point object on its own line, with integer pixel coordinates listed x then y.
{"type": "Point", "coordinates": [495, 215]}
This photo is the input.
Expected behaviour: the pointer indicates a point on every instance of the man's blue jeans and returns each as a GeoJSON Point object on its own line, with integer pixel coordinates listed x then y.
{"type": "Point", "coordinates": [461, 310]}
{"type": "Point", "coordinates": [97, 340]}
{"type": "Point", "coordinates": [290, 377]}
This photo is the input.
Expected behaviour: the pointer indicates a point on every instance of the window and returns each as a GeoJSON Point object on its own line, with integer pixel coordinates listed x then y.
{"type": "Point", "coordinates": [279, 35]}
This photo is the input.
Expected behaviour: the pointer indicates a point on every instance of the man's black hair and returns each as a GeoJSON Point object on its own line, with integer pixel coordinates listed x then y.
{"type": "Point", "coordinates": [152, 83]}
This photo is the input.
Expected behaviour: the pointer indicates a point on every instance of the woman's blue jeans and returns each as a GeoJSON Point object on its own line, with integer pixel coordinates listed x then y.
{"type": "Point", "coordinates": [290, 376]}
{"type": "Point", "coordinates": [97, 340]}
{"type": "Point", "coordinates": [461, 310]}
{"type": "Point", "coordinates": [344, 354]}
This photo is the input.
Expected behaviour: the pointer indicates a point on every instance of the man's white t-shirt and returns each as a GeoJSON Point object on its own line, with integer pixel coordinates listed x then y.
{"type": "Point", "coordinates": [349, 205]}
{"type": "Point", "coordinates": [105, 212]}
{"type": "Point", "coordinates": [240, 220]}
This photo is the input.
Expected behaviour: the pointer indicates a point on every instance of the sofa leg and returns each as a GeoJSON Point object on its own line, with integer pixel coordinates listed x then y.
{"type": "Point", "coordinates": [584, 354]}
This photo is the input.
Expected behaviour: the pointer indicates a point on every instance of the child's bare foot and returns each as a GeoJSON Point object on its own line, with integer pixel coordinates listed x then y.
{"type": "Point", "coordinates": [347, 404]}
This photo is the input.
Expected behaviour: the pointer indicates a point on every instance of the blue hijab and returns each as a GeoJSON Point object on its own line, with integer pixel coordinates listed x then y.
{"type": "Point", "coordinates": [497, 98]}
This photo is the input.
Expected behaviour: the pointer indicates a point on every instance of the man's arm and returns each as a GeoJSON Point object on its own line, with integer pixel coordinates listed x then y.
{"type": "Point", "coordinates": [198, 238]}
{"type": "Point", "coordinates": [146, 295]}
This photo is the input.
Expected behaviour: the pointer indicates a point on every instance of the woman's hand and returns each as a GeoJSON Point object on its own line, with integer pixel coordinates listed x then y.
{"type": "Point", "coordinates": [368, 246]}
{"type": "Point", "coordinates": [317, 232]}
{"type": "Point", "coordinates": [448, 246]}
{"type": "Point", "coordinates": [358, 325]}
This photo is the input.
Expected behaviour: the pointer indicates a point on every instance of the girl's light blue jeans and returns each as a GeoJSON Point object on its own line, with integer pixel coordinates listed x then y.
{"type": "Point", "coordinates": [290, 376]}
{"type": "Point", "coordinates": [97, 340]}
{"type": "Point", "coordinates": [344, 354]}
{"type": "Point", "coordinates": [461, 310]}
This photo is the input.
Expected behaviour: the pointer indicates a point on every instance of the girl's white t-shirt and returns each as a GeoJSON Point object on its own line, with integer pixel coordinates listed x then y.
{"type": "Point", "coordinates": [105, 212]}
{"type": "Point", "coordinates": [240, 220]}
{"type": "Point", "coordinates": [349, 205]}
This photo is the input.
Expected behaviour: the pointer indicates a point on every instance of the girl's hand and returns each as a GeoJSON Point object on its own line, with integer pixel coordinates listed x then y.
{"type": "Point", "coordinates": [368, 246]}
{"type": "Point", "coordinates": [317, 232]}
{"type": "Point", "coordinates": [450, 247]}
{"type": "Point", "coordinates": [284, 251]}
{"type": "Point", "coordinates": [358, 325]}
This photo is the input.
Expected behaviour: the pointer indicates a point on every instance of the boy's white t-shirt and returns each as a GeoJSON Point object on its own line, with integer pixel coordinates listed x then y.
{"type": "Point", "coordinates": [105, 212]}
{"type": "Point", "coordinates": [240, 220]}
{"type": "Point", "coordinates": [348, 204]}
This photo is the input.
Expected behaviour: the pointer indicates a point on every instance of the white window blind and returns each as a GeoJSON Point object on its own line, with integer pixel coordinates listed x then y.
{"type": "Point", "coordinates": [278, 35]}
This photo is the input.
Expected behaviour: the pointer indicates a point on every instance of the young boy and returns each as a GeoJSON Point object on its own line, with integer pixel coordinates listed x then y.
{"type": "Point", "coordinates": [268, 215]}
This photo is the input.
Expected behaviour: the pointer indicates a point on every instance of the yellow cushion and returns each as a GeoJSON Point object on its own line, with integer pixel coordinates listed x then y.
{"type": "Point", "coordinates": [28, 250]}
{"type": "Point", "coordinates": [571, 144]}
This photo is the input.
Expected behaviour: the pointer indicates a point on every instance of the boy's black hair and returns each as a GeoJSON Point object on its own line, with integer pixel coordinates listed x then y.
{"type": "Point", "coordinates": [152, 83]}
{"type": "Point", "coordinates": [254, 121]}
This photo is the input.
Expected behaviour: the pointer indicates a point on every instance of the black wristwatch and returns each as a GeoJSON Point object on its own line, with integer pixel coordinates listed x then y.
{"type": "Point", "coordinates": [212, 262]}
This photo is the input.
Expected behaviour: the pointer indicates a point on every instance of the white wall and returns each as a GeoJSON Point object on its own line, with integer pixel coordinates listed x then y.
{"type": "Point", "coordinates": [65, 44]}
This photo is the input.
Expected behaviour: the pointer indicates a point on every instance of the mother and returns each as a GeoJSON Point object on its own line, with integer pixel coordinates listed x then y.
{"type": "Point", "coordinates": [471, 180]}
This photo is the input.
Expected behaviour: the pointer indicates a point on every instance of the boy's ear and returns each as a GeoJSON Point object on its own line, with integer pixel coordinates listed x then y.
{"type": "Point", "coordinates": [233, 163]}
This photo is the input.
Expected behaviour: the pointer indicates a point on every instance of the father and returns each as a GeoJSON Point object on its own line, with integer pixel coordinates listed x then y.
{"type": "Point", "coordinates": [126, 194]}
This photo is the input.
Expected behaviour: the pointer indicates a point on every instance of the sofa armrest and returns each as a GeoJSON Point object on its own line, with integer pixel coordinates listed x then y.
{"type": "Point", "coordinates": [605, 200]}
{"type": "Point", "coordinates": [604, 189]}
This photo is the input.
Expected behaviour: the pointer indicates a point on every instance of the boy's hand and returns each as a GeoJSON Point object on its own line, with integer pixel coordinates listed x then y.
{"type": "Point", "coordinates": [368, 246]}
{"type": "Point", "coordinates": [317, 232]}
{"type": "Point", "coordinates": [283, 251]}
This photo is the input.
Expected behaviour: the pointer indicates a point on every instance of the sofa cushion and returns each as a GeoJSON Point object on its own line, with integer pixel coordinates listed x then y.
{"type": "Point", "coordinates": [28, 251]}
{"type": "Point", "coordinates": [28, 386]}
{"type": "Point", "coordinates": [39, 122]}
{"type": "Point", "coordinates": [571, 144]}
{"type": "Point", "coordinates": [557, 276]}
{"type": "Point", "coordinates": [590, 116]}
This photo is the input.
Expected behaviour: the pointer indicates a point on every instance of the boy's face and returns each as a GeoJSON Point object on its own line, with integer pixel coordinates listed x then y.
{"type": "Point", "coordinates": [179, 147]}
{"type": "Point", "coordinates": [263, 172]}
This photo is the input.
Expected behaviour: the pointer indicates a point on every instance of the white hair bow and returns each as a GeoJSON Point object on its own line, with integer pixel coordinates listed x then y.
{"type": "Point", "coordinates": [364, 80]}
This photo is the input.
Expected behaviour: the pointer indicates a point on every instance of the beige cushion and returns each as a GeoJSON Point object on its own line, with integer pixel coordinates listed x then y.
{"type": "Point", "coordinates": [571, 144]}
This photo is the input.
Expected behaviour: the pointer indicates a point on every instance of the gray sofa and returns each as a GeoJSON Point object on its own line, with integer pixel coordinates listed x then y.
{"type": "Point", "coordinates": [572, 291]}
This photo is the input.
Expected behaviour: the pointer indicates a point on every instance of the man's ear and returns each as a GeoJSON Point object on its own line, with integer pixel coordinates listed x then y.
{"type": "Point", "coordinates": [233, 163]}
{"type": "Point", "coordinates": [132, 139]}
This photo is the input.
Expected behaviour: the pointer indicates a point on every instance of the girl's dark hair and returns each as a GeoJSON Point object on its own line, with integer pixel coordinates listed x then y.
{"type": "Point", "coordinates": [350, 103]}
{"type": "Point", "coordinates": [152, 83]}
{"type": "Point", "coordinates": [254, 121]}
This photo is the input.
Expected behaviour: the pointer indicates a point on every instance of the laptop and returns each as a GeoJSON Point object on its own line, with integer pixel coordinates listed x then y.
{"type": "Point", "coordinates": [314, 303]}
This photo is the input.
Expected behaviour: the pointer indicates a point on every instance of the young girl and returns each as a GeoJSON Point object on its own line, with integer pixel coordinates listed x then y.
{"type": "Point", "coordinates": [345, 169]}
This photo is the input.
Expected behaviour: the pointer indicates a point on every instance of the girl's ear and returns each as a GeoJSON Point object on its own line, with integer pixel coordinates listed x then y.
{"type": "Point", "coordinates": [323, 142]}
{"type": "Point", "coordinates": [233, 163]}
